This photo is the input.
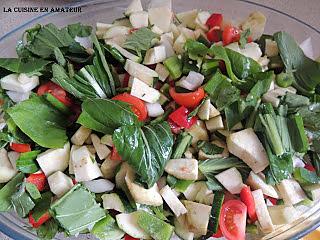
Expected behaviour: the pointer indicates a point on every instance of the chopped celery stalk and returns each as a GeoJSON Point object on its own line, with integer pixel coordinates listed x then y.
{"type": "Point", "coordinates": [56, 103]}
{"type": "Point", "coordinates": [182, 143]}
{"type": "Point", "coordinates": [174, 66]}
{"type": "Point", "coordinates": [209, 66]}
{"type": "Point", "coordinates": [298, 137]}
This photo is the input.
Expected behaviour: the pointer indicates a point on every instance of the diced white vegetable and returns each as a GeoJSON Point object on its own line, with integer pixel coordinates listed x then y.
{"type": "Point", "coordinates": [84, 165]}
{"type": "Point", "coordinates": [6, 170]}
{"type": "Point", "coordinates": [102, 150]}
{"type": "Point", "coordinates": [91, 149]}
{"type": "Point", "coordinates": [198, 132]}
{"type": "Point", "coordinates": [160, 3]}
{"type": "Point", "coordinates": [13, 157]}
{"type": "Point", "coordinates": [246, 145]}
{"type": "Point", "coordinates": [192, 81]}
{"type": "Point", "coordinates": [183, 168]}
{"type": "Point", "coordinates": [291, 191]}
{"type": "Point", "coordinates": [256, 22]}
{"type": "Point", "coordinates": [167, 42]}
{"type": "Point", "coordinates": [271, 97]}
{"type": "Point", "coordinates": [141, 72]}
{"type": "Point", "coordinates": [188, 154]}
{"type": "Point", "coordinates": [204, 110]}
{"type": "Point", "coordinates": [18, 96]}
{"type": "Point", "coordinates": [204, 195]}
{"type": "Point", "coordinates": [26, 84]}
{"type": "Point", "coordinates": [85, 42]}
{"type": "Point", "coordinates": [154, 109]}
{"type": "Point", "coordinates": [188, 33]}
{"type": "Point", "coordinates": [238, 126]}
{"type": "Point", "coordinates": [103, 26]}
{"type": "Point", "coordinates": [283, 91]}
{"type": "Point", "coordinates": [108, 168]}
{"type": "Point", "coordinates": [281, 214]}
{"type": "Point", "coordinates": [73, 148]}
{"type": "Point", "coordinates": [128, 222]}
{"type": "Point", "coordinates": [271, 48]}
{"type": "Point", "coordinates": [139, 19]}
{"type": "Point", "coordinates": [262, 211]}
{"type": "Point", "coordinates": [214, 124]}
{"type": "Point", "coordinates": [123, 51]}
{"type": "Point", "coordinates": [201, 20]}
{"type": "Point", "coordinates": [156, 30]}
{"type": "Point", "coordinates": [167, 36]}
{"type": "Point", "coordinates": [213, 112]}
{"type": "Point", "coordinates": [197, 217]}
{"type": "Point", "coordinates": [141, 195]}
{"type": "Point", "coordinates": [116, 31]}
{"type": "Point", "coordinates": [162, 72]}
{"type": "Point", "coordinates": [191, 192]}
{"type": "Point", "coordinates": [188, 18]}
{"type": "Point", "coordinates": [297, 162]}
{"type": "Point", "coordinates": [178, 45]}
{"type": "Point", "coordinates": [121, 174]}
{"type": "Point", "coordinates": [264, 62]}
{"type": "Point", "coordinates": [80, 136]}
{"type": "Point", "coordinates": [59, 183]}
{"type": "Point", "coordinates": [231, 179]}
{"type": "Point", "coordinates": [54, 160]}
{"type": "Point", "coordinates": [252, 50]}
{"type": "Point", "coordinates": [134, 6]}
{"type": "Point", "coordinates": [144, 92]}
{"type": "Point", "coordinates": [172, 201]}
{"type": "Point", "coordinates": [113, 201]}
{"type": "Point", "coordinates": [256, 182]}
{"type": "Point", "coordinates": [314, 191]}
{"type": "Point", "coordinates": [99, 185]}
{"type": "Point", "coordinates": [155, 55]}
{"type": "Point", "coordinates": [307, 48]}
{"type": "Point", "coordinates": [161, 17]}
{"type": "Point", "coordinates": [107, 140]}
{"type": "Point", "coordinates": [181, 229]}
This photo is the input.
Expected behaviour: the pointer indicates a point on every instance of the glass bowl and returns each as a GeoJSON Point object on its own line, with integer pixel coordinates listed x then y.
{"type": "Point", "coordinates": [105, 11]}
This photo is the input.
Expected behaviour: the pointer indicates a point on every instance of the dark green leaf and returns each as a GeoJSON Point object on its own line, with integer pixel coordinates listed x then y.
{"type": "Point", "coordinates": [104, 115]}
{"type": "Point", "coordinates": [294, 101]}
{"type": "Point", "coordinates": [181, 144]}
{"type": "Point", "coordinates": [77, 29]}
{"type": "Point", "coordinates": [195, 49]}
{"type": "Point", "coordinates": [46, 129]}
{"type": "Point", "coordinates": [33, 191]}
{"type": "Point", "coordinates": [209, 148]}
{"type": "Point", "coordinates": [26, 162]}
{"type": "Point", "coordinates": [311, 116]}
{"type": "Point", "coordinates": [298, 136]}
{"type": "Point", "coordinates": [30, 67]}
{"type": "Point", "coordinates": [146, 149]}
{"type": "Point", "coordinates": [304, 176]}
{"type": "Point", "coordinates": [8, 190]}
{"type": "Point", "coordinates": [48, 230]}
{"type": "Point", "coordinates": [22, 202]}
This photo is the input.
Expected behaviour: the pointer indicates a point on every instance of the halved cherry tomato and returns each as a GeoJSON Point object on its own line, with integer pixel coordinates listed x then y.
{"type": "Point", "coordinates": [214, 34]}
{"type": "Point", "coordinates": [20, 147]}
{"type": "Point", "coordinates": [180, 117]}
{"type": "Point", "coordinates": [233, 220]}
{"type": "Point", "coordinates": [230, 34]}
{"type": "Point", "coordinates": [38, 179]}
{"type": "Point", "coordinates": [128, 237]}
{"type": "Point", "coordinates": [215, 20]}
{"type": "Point", "coordinates": [247, 199]}
{"type": "Point", "coordinates": [188, 100]}
{"type": "Point", "coordinates": [218, 234]}
{"type": "Point", "coordinates": [309, 167]}
{"type": "Point", "coordinates": [56, 91]}
{"type": "Point", "coordinates": [115, 155]}
{"type": "Point", "coordinates": [45, 217]}
{"type": "Point", "coordinates": [137, 105]}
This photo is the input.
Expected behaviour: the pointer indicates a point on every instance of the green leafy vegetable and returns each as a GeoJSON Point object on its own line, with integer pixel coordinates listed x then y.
{"type": "Point", "coordinates": [195, 49]}
{"type": "Point", "coordinates": [244, 37]}
{"type": "Point", "coordinates": [304, 176]}
{"type": "Point", "coordinates": [33, 191]}
{"type": "Point", "coordinates": [181, 144]}
{"type": "Point", "coordinates": [26, 162]}
{"type": "Point", "coordinates": [31, 66]}
{"type": "Point", "coordinates": [311, 116]}
{"type": "Point", "coordinates": [8, 190]}
{"type": "Point", "coordinates": [77, 29]}
{"type": "Point", "coordinates": [209, 148]}
{"type": "Point", "coordinates": [178, 184]}
{"type": "Point", "coordinates": [72, 214]}
{"type": "Point", "coordinates": [104, 115]}
{"type": "Point", "coordinates": [299, 139]}
{"type": "Point", "coordinates": [107, 229]}
{"type": "Point", "coordinates": [49, 122]}
{"type": "Point", "coordinates": [146, 149]}
{"type": "Point", "coordinates": [48, 230]}
{"type": "Point", "coordinates": [42, 205]}
{"type": "Point", "coordinates": [56, 103]}
{"type": "Point", "coordinates": [59, 56]}
{"type": "Point", "coordinates": [22, 202]}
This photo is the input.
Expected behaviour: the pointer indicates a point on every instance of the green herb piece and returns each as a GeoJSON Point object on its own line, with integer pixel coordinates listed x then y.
{"type": "Point", "coordinates": [298, 137]}
{"type": "Point", "coordinates": [181, 145]}
{"type": "Point", "coordinates": [295, 101]}
{"type": "Point", "coordinates": [33, 191]}
{"type": "Point", "coordinates": [213, 184]}
{"type": "Point", "coordinates": [311, 116]}
{"type": "Point", "coordinates": [26, 162]}
{"type": "Point", "coordinates": [48, 230]}
{"type": "Point", "coordinates": [42, 206]}
{"type": "Point", "coordinates": [195, 49]}
{"type": "Point", "coordinates": [56, 103]}
{"type": "Point", "coordinates": [174, 66]}
{"type": "Point", "coordinates": [178, 184]}
{"type": "Point", "coordinates": [209, 66]}
{"type": "Point", "coordinates": [146, 149]}
{"type": "Point", "coordinates": [30, 67]}
{"type": "Point", "coordinates": [8, 190]}
{"type": "Point", "coordinates": [284, 79]}
{"type": "Point", "coordinates": [22, 202]}
{"type": "Point", "coordinates": [115, 53]}
{"type": "Point", "coordinates": [74, 216]}
{"type": "Point", "coordinates": [188, 65]}
{"type": "Point", "coordinates": [209, 148]}
{"type": "Point", "coordinates": [233, 115]}
{"type": "Point", "coordinates": [159, 212]}
{"type": "Point", "coordinates": [244, 37]}
{"type": "Point", "coordinates": [215, 213]}
{"type": "Point", "coordinates": [104, 115]}
{"type": "Point", "coordinates": [59, 56]}
{"type": "Point", "coordinates": [304, 176]}
{"type": "Point", "coordinates": [49, 122]}
{"type": "Point", "coordinates": [107, 229]}
{"type": "Point", "coordinates": [77, 29]}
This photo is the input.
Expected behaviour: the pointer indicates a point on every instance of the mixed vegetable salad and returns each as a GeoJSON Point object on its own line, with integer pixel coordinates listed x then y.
{"type": "Point", "coordinates": [159, 126]}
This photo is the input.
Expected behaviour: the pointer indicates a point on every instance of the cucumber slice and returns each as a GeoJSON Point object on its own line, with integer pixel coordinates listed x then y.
{"type": "Point", "coordinates": [107, 229]}
{"type": "Point", "coordinates": [215, 213]}
{"type": "Point", "coordinates": [113, 201]}
{"type": "Point", "coordinates": [129, 224]}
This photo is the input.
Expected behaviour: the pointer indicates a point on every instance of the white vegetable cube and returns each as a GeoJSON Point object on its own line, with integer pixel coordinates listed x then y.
{"type": "Point", "coordinates": [139, 19]}
{"type": "Point", "coordinates": [256, 181]}
{"type": "Point", "coordinates": [73, 148]}
{"type": "Point", "coordinates": [173, 202]}
{"type": "Point", "coordinates": [80, 136]}
{"type": "Point", "coordinates": [11, 82]}
{"type": "Point", "coordinates": [13, 157]}
{"type": "Point", "coordinates": [112, 201]}
{"type": "Point", "coordinates": [162, 72]}
{"type": "Point", "coordinates": [156, 30]}
{"type": "Point", "coordinates": [213, 112]}
{"type": "Point", "coordinates": [256, 22]}
{"type": "Point", "coordinates": [166, 40]}
{"type": "Point", "coordinates": [281, 214]}
{"type": "Point", "coordinates": [271, 48]}
{"type": "Point", "coordinates": [99, 185]}
{"type": "Point", "coordinates": [204, 110]}
{"type": "Point", "coordinates": [201, 20]}
{"type": "Point", "coordinates": [59, 183]}
{"type": "Point", "coordinates": [198, 132]}
{"type": "Point", "coordinates": [84, 165]}
{"type": "Point", "coordinates": [192, 190]}
{"type": "Point", "coordinates": [179, 43]}
{"type": "Point", "coordinates": [246, 145]}
{"type": "Point", "coordinates": [262, 211]}
{"type": "Point", "coordinates": [103, 26]}
{"type": "Point", "coordinates": [6, 170]}
{"type": "Point", "coordinates": [108, 168]}
{"type": "Point", "coordinates": [107, 140]}
{"type": "Point", "coordinates": [18, 96]}
{"type": "Point", "coordinates": [54, 160]}
{"type": "Point", "coordinates": [181, 228]}
{"type": "Point", "coordinates": [231, 179]}
{"type": "Point", "coordinates": [214, 123]}
{"type": "Point", "coordinates": [116, 31]}
{"type": "Point", "coordinates": [160, 3]}
{"type": "Point", "coordinates": [161, 17]}
{"type": "Point", "coordinates": [183, 168]}
{"type": "Point", "coordinates": [188, 18]}
{"type": "Point", "coordinates": [291, 191]}
{"type": "Point", "coordinates": [140, 71]}
{"type": "Point", "coordinates": [252, 50]}
{"type": "Point", "coordinates": [192, 81]}
{"type": "Point", "coordinates": [144, 92]}
{"type": "Point", "coordinates": [102, 150]}
{"type": "Point", "coordinates": [134, 6]}
{"type": "Point", "coordinates": [154, 109]}
{"type": "Point", "coordinates": [155, 55]}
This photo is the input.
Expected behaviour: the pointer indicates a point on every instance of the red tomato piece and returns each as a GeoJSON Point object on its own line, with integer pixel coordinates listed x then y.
{"type": "Point", "coordinates": [247, 199]}
{"type": "Point", "coordinates": [218, 234]}
{"type": "Point", "coordinates": [128, 237]}
{"type": "Point", "coordinates": [309, 167]}
{"type": "Point", "coordinates": [20, 147]}
{"type": "Point", "coordinates": [45, 217]}
{"type": "Point", "coordinates": [175, 129]}
{"type": "Point", "coordinates": [115, 155]}
{"type": "Point", "coordinates": [38, 179]}
{"type": "Point", "coordinates": [188, 100]}
{"type": "Point", "coordinates": [137, 105]}
{"type": "Point", "coordinates": [56, 91]}
{"type": "Point", "coordinates": [215, 20]}
{"type": "Point", "coordinates": [230, 34]}
{"type": "Point", "coordinates": [214, 34]}
{"type": "Point", "coordinates": [180, 117]}
{"type": "Point", "coordinates": [271, 199]}
{"type": "Point", "coordinates": [233, 220]}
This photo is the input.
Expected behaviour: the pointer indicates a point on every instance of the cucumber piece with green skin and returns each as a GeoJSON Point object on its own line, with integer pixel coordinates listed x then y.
{"type": "Point", "coordinates": [174, 66]}
{"type": "Point", "coordinates": [56, 103]}
{"type": "Point", "coordinates": [156, 228]}
{"type": "Point", "coordinates": [107, 229]}
{"type": "Point", "coordinates": [215, 213]}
